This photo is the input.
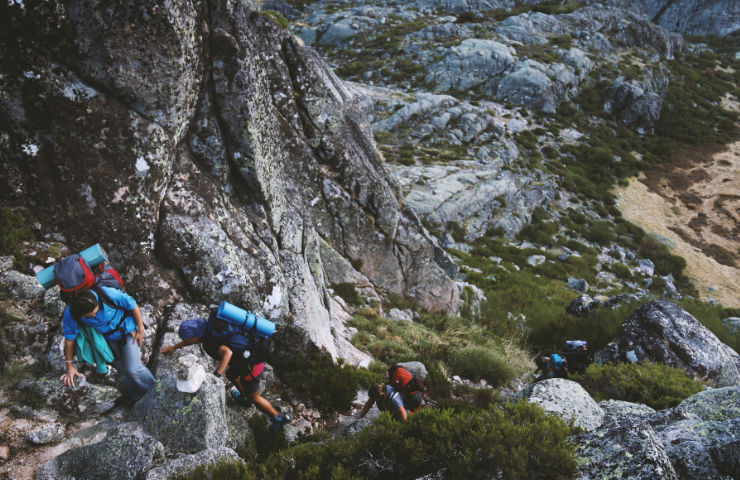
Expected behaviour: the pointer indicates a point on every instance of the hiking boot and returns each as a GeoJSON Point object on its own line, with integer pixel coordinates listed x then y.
{"type": "Point", "coordinates": [276, 423]}
{"type": "Point", "coordinates": [240, 399]}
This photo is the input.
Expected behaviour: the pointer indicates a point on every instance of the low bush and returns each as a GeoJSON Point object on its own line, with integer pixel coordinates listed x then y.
{"type": "Point", "coordinates": [475, 363]}
{"type": "Point", "coordinates": [276, 17]}
{"type": "Point", "coordinates": [665, 262]}
{"type": "Point", "coordinates": [657, 386]}
{"type": "Point", "coordinates": [330, 386]}
{"type": "Point", "coordinates": [348, 293]}
{"type": "Point", "coordinates": [601, 233]}
{"type": "Point", "coordinates": [13, 230]}
{"type": "Point", "coordinates": [516, 440]}
{"type": "Point", "coordinates": [621, 270]}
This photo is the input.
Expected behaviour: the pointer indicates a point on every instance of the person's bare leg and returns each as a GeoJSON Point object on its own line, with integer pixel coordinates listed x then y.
{"type": "Point", "coordinates": [262, 404]}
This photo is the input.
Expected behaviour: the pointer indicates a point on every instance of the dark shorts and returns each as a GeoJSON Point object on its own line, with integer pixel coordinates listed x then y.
{"type": "Point", "coordinates": [248, 375]}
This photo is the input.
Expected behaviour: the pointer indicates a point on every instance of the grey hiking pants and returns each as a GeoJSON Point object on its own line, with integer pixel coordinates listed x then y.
{"type": "Point", "coordinates": [135, 376]}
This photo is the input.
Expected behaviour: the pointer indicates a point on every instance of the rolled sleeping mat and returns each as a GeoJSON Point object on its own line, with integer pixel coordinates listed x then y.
{"type": "Point", "coordinates": [94, 256]}
{"type": "Point", "coordinates": [46, 277]}
{"type": "Point", "coordinates": [247, 320]}
{"type": "Point", "coordinates": [232, 313]}
{"type": "Point", "coordinates": [263, 326]}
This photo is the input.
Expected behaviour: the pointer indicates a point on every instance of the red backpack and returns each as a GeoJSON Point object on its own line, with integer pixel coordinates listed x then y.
{"type": "Point", "coordinates": [404, 381]}
{"type": "Point", "coordinates": [73, 274]}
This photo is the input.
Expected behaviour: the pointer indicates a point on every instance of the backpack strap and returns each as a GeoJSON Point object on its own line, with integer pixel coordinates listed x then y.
{"type": "Point", "coordinates": [103, 298]}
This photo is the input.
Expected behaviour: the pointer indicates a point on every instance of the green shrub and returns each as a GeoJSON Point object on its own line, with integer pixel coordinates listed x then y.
{"type": "Point", "coordinates": [13, 230]}
{"type": "Point", "coordinates": [437, 384]}
{"type": "Point", "coordinates": [517, 440]}
{"type": "Point", "coordinates": [348, 293]}
{"type": "Point", "coordinates": [477, 363]}
{"type": "Point", "coordinates": [562, 41]}
{"type": "Point", "coordinates": [658, 386]}
{"type": "Point", "coordinates": [665, 262]}
{"type": "Point", "coordinates": [621, 270]}
{"type": "Point", "coordinates": [276, 17]}
{"type": "Point", "coordinates": [330, 386]}
{"type": "Point", "coordinates": [601, 233]}
{"type": "Point", "coordinates": [526, 139]}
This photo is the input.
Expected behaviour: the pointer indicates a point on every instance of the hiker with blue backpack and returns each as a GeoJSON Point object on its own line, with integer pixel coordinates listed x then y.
{"type": "Point", "coordinates": [101, 323]}
{"type": "Point", "coordinates": [553, 366]}
{"type": "Point", "coordinates": [237, 340]}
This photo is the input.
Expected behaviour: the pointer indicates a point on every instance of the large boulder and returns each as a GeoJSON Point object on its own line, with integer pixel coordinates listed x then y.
{"type": "Point", "coordinates": [634, 104]}
{"type": "Point", "coordinates": [713, 404]}
{"type": "Point", "coordinates": [616, 411]}
{"type": "Point", "coordinates": [566, 399]}
{"type": "Point", "coordinates": [84, 400]}
{"type": "Point", "coordinates": [474, 62]}
{"type": "Point", "coordinates": [706, 449]}
{"type": "Point", "coordinates": [626, 449]}
{"type": "Point", "coordinates": [660, 331]}
{"type": "Point", "coordinates": [124, 454]}
{"type": "Point", "coordinates": [184, 422]}
{"type": "Point", "coordinates": [185, 463]}
{"type": "Point", "coordinates": [700, 434]}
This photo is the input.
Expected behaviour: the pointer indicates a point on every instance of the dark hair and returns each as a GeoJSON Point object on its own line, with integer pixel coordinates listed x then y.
{"type": "Point", "coordinates": [377, 392]}
{"type": "Point", "coordinates": [541, 361]}
{"type": "Point", "coordinates": [82, 302]}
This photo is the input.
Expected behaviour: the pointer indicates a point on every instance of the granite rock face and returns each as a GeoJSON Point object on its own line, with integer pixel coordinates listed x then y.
{"type": "Point", "coordinates": [629, 449]}
{"type": "Point", "coordinates": [184, 422]}
{"type": "Point", "coordinates": [125, 454]}
{"type": "Point", "coordinates": [661, 331]}
{"type": "Point", "coordinates": [84, 400]}
{"type": "Point", "coordinates": [185, 463]}
{"type": "Point", "coordinates": [214, 160]}
{"type": "Point", "coordinates": [690, 17]}
{"type": "Point", "coordinates": [696, 439]}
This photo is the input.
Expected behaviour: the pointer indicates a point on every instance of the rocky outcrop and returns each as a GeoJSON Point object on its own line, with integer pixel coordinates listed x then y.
{"type": "Point", "coordinates": [629, 449]}
{"type": "Point", "coordinates": [566, 399]}
{"type": "Point", "coordinates": [713, 404]}
{"type": "Point", "coordinates": [661, 331]}
{"type": "Point", "coordinates": [695, 439]}
{"type": "Point", "coordinates": [470, 64]}
{"type": "Point", "coordinates": [702, 441]}
{"type": "Point", "coordinates": [690, 17]}
{"type": "Point", "coordinates": [226, 150]}
{"type": "Point", "coordinates": [185, 463]}
{"type": "Point", "coordinates": [184, 422]}
{"type": "Point", "coordinates": [123, 455]}
{"type": "Point", "coordinates": [476, 199]}
{"type": "Point", "coordinates": [84, 400]}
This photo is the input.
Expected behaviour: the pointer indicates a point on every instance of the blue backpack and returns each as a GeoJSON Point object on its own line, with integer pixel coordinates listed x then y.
{"type": "Point", "coordinates": [222, 332]}
{"type": "Point", "coordinates": [557, 362]}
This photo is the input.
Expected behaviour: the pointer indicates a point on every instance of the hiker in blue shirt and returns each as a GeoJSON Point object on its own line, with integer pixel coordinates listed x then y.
{"type": "Point", "coordinates": [386, 398]}
{"type": "Point", "coordinates": [115, 315]}
{"type": "Point", "coordinates": [553, 366]}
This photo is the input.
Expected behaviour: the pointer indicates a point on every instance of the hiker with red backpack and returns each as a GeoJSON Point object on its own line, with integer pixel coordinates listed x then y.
{"type": "Point", "coordinates": [114, 315]}
{"type": "Point", "coordinates": [402, 396]}
{"type": "Point", "coordinates": [99, 317]}
{"type": "Point", "coordinates": [240, 352]}
{"type": "Point", "coordinates": [553, 366]}
{"type": "Point", "coordinates": [388, 399]}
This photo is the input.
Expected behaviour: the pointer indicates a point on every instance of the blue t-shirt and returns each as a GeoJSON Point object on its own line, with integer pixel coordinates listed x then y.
{"type": "Point", "coordinates": [107, 317]}
{"type": "Point", "coordinates": [394, 400]}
